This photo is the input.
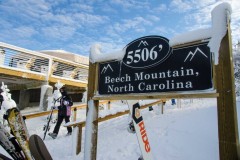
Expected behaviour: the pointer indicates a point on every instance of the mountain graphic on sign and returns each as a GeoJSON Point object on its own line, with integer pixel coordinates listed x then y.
{"type": "Point", "coordinates": [192, 54]}
{"type": "Point", "coordinates": [143, 43]}
{"type": "Point", "coordinates": [105, 68]}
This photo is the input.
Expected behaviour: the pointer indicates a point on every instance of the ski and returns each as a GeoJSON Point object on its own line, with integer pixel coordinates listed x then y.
{"type": "Point", "coordinates": [7, 142]}
{"type": "Point", "coordinates": [47, 126]}
{"type": "Point", "coordinates": [19, 130]}
{"type": "Point", "coordinates": [38, 148]}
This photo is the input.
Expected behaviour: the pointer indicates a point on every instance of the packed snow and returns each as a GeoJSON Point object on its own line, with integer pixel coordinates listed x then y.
{"type": "Point", "coordinates": [184, 132]}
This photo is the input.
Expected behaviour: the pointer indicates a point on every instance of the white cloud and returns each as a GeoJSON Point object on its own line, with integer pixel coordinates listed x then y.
{"type": "Point", "coordinates": [89, 19]}
{"type": "Point", "coordinates": [181, 6]}
{"type": "Point", "coordinates": [58, 32]}
{"type": "Point", "coordinates": [126, 4]}
{"type": "Point", "coordinates": [153, 18]}
{"type": "Point", "coordinates": [24, 31]}
{"type": "Point", "coordinates": [82, 7]}
{"type": "Point", "coordinates": [30, 8]}
{"type": "Point", "coordinates": [63, 19]}
{"type": "Point", "coordinates": [135, 24]}
{"type": "Point", "coordinates": [160, 8]}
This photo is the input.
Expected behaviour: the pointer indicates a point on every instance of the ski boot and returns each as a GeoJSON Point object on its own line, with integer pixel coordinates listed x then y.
{"type": "Point", "coordinates": [140, 158]}
{"type": "Point", "coordinates": [69, 134]}
{"type": "Point", "coordinates": [131, 128]}
{"type": "Point", "coordinates": [53, 135]}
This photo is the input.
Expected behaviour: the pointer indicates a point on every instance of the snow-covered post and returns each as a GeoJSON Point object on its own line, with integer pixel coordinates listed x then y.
{"type": "Point", "coordinates": [226, 102]}
{"type": "Point", "coordinates": [91, 132]}
{"type": "Point", "coordinates": [46, 91]}
{"type": "Point", "coordinates": [84, 98]}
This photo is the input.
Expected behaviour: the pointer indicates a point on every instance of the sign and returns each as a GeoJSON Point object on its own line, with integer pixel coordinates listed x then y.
{"type": "Point", "coordinates": [151, 65]}
{"type": "Point", "coordinates": [147, 52]}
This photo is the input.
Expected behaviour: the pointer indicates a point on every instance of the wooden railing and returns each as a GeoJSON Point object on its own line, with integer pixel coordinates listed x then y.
{"type": "Point", "coordinates": [73, 108]}
{"type": "Point", "coordinates": [81, 124]}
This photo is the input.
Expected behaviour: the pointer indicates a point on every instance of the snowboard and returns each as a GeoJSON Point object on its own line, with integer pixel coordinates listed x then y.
{"type": "Point", "coordinates": [6, 141]}
{"type": "Point", "coordinates": [139, 128]}
{"type": "Point", "coordinates": [19, 130]}
{"type": "Point", "coordinates": [38, 148]}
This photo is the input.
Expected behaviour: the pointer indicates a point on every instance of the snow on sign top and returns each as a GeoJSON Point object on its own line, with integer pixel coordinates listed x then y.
{"type": "Point", "coordinates": [218, 30]}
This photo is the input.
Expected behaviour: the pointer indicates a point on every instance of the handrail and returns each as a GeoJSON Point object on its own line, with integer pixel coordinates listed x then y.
{"type": "Point", "coordinates": [73, 108]}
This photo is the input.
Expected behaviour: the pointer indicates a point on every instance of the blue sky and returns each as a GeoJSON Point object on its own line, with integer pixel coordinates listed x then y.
{"type": "Point", "coordinates": [74, 25]}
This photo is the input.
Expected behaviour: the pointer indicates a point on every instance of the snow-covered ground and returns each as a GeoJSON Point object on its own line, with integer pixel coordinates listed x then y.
{"type": "Point", "coordinates": [185, 133]}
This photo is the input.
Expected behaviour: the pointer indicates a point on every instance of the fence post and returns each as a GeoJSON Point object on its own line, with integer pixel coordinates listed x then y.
{"type": "Point", "coordinates": [79, 139]}
{"type": "Point", "coordinates": [109, 102]}
{"type": "Point", "coordinates": [75, 114]}
{"type": "Point", "coordinates": [179, 103]}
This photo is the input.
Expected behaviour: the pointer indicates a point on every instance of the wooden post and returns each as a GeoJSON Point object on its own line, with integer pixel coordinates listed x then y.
{"type": "Point", "coordinates": [179, 103]}
{"type": "Point", "coordinates": [162, 107]}
{"type": "Point", "coordinates": [79, 139]}
{"type": "Point", "coordinates": [75, 114]}
{"type": "Point", "coordinates": [226, 102]}
{"type": "Point", "coordinates": [109, 105]}
{"type": "Point", "coordinates": [92, 87]}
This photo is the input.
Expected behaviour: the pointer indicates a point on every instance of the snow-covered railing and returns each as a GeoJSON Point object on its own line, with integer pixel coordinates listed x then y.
{"type": "Point", "coordinates": [36, 62]}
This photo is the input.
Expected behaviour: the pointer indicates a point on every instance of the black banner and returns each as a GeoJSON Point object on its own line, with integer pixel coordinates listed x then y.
{"type": "Point", "coordinates": [153, 66]}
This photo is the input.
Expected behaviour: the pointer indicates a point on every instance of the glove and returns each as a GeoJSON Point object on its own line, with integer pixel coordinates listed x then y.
{"type": "Point", "coordinates": [65, 103]}
{"type": "Point", "coordinates": [24, 118]}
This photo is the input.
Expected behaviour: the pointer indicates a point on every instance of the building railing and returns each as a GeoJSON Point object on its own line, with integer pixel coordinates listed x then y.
{"type": "Point", "coordinates": [36, 62]}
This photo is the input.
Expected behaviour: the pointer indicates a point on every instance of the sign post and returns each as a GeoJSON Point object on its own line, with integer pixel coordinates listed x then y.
{"type": "Point", "coordinates": [226, 102]}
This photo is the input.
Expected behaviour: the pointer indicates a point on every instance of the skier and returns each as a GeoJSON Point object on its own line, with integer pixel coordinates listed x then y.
{"type": "Point", "coordinates": [64, 112]}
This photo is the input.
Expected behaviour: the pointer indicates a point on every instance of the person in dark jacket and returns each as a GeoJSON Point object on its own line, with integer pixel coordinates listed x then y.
{"type": "Point", "coordinates": [1, 98]}
{"type": "Point", "coordinates": [63, 113]}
